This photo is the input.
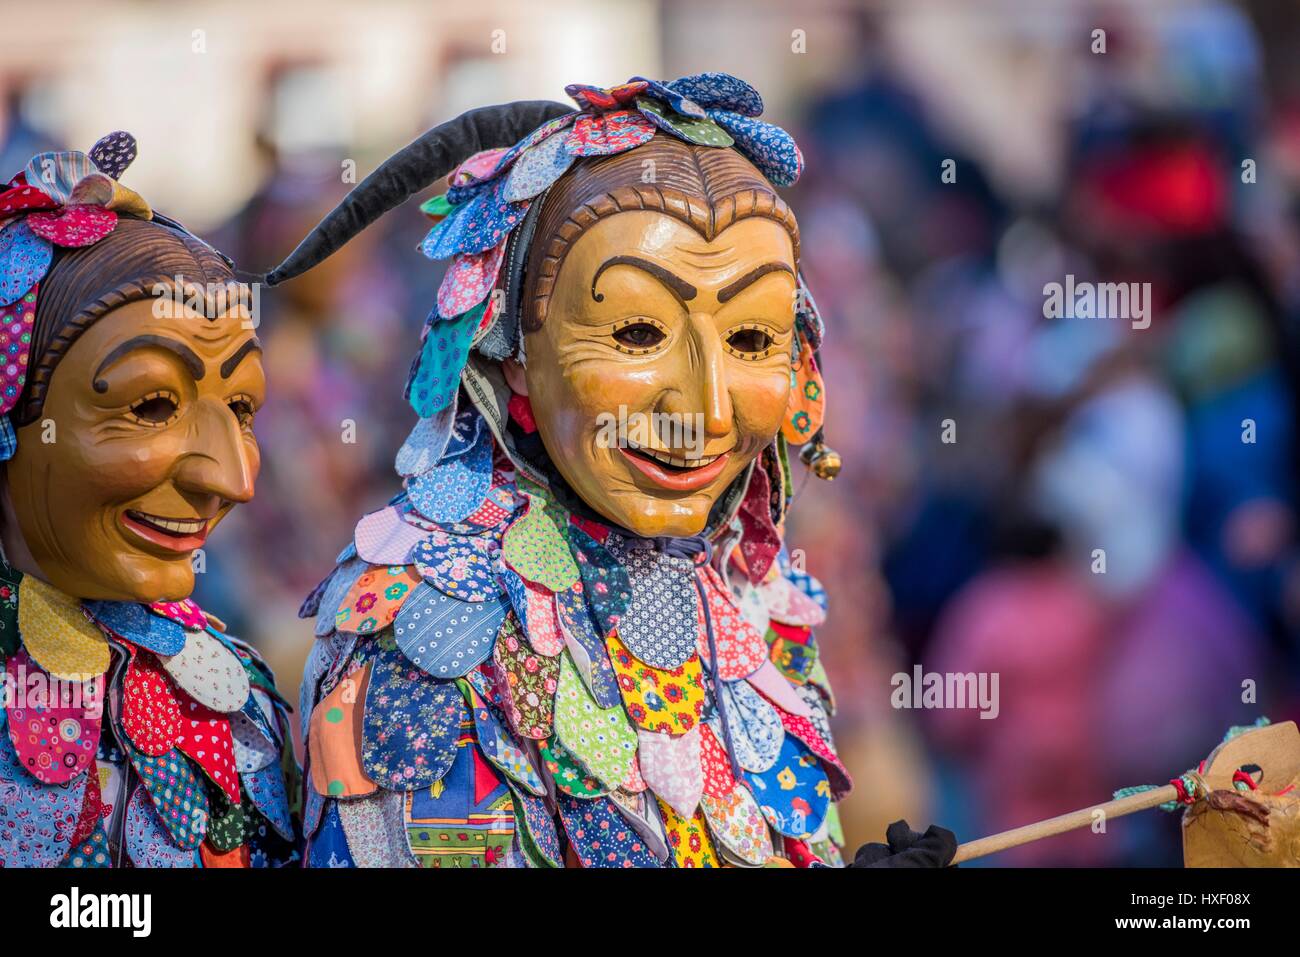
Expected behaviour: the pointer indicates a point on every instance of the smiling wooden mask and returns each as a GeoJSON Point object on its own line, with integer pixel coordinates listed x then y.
{"type": "Point", "coordinates": [659, 319]}
{"type": "Point", "coordinates": [135, 432]}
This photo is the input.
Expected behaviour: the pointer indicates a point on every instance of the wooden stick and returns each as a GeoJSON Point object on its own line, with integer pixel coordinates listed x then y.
{"type": "Point", "coordinates": [1064, 822]}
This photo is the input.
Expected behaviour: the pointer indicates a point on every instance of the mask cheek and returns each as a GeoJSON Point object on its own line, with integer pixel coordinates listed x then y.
{"type": "Point", "coordinates": [760, 400]}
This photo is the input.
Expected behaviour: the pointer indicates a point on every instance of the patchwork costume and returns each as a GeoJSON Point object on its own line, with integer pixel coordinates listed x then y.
{"type": "Point", "coordinates": [131, 734]}
{"type": "Point", "coordinates": [503, 677]}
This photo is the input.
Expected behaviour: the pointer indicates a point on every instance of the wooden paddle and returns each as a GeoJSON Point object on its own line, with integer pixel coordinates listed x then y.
{"type": "Point", "coordinates": [1274, 748]}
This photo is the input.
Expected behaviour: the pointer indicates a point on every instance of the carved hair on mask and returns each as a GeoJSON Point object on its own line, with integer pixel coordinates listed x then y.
{"type": "Point", "coordinates": [133, 428]}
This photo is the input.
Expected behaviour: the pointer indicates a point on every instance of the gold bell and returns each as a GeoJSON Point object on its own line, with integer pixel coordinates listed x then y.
{"type": "Point", "coordinates": [822, 460]}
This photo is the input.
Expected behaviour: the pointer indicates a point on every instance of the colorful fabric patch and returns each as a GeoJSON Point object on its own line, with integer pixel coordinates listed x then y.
{"type": "Point", "coordinates": [467, 819]}
{"type": "Point", "coordinates": [569, 776]}
{"type": "Point", "coordinates": [58, 634]}
{"type": "Point", "coordinates": [535, 607]}
{"type": "Point", "coordinates": [468, 280]}
{"type": "Point", "coordinates": [412, 724]}
{"type": "Point", "coordinates": [227, 824]}
{"type": "Point", "coordinates": [768, 147]}
{"type": "Point", "coordinates": [501, 749]}
{"type": "Point", "coordinates": [598, 99]}
{"type": "Point", "coordinates": [529, 682]}
{"type": "Point", "coordinates": [24, 260]}
{"type": "Point", "coordinates": [670, 702]}
{"type": "Point", "coordinates": [37, 821]}
{"type": "Point", "coordinates": [474, 226]}
{"type": "Point", "coordinates": [699, 130]}
{"type": "Point", "coordinates": [803, 729]}
{"type": "Point", "coordinates": [662, 621]}
{"type": "Point", "coordinates": [446, 636]}
{"type": "Point", "coordinates": [205, 737]}
{"type": "Point", "coordinates": [375, 598]}
{"type": "Point", "coordinates": [148, 843]}
{"type": "Point", "coordinates": [266, 790]}
{"type": "Point", "coordinates": [255, 745]}
{"type": "Point", "coordinates": [761, 540]}
{"type": "Point", "coordinates": [586, 648]}
{"type": "Point", "coordinates": [794, 658]}
{"type": "Point", "coordinates": [185, 613]}
{"type": "Point", "coordinates": [738, 825]}
{"type": "Point", "coordinates": [426, 443]}
{"type": "Point", "coordinates": [538, 837]}
{"type": "Point", "coordinates": [536, 547]}
{"type": "Point", "coordinates": [599, 835]}
{"type": "Point", "coordinates": [16, 321]}
{"type": "Point", "coordinates": [329, 594]}
{"type": "Point", "coordinates": [20, 197]}
{"type": "Point", "coordinates": [600, 738]}
{"type": "Point", "coordinates": [740, 646]}
{"type": "Point", "coordinates": [113, 153]}
{"type": "Point", "coordinates": [383, 538]}
{"type": "Point", "coordinates": [457, 485]}
{"type": "Point", "coordinates": [536, 169]}
{"type": "Point", "coordinates": [605, 584]}
{"type": "Point", "coordinates": [670, 765]}
{"type": "Point", "coordinates": [73, 226]}
{"type": "Point", "coordinates": [793, 793]}
{"type": "Point", "coordinates": [375, 827]}
{"type": "Point", "coordinates": [133, 621]}
{"type": "Point", "coordinates": [56, 741]}
{"type": "Point", "coordinates": [790, 606]}
{"type": "Point", "coordinates": [334, 738]}
{"type": "Point", "coordinates": [806, 409]}
{"type": "Point", "coordinates": [458, 568]}
{"type": "Point", "coordinates": [688, 838]}
{"type": "Point", "coordinates": [719, 91]}
{"type": "Point", "coordinates": [778, 690]}
{"type": "Point", "coordinates": [719, 778]}
{"type": "Point", "coordinates": [602, 134]}
{"type": "Point", "coordinates": [442, 357]}
{"type": "Point", "coordinates": [179, 798]}
{"type": "Point", "coordinates": [329, 847]}
{"type": "Point", "coordinates": [209, 672]}
{"type": "Point", "coordinates": [755, 727]}
{"type": "Point", "coordinates": [92, 853]}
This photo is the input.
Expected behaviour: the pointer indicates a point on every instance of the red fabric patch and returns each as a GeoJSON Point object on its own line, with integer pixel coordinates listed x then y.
{"type": "Point", "coordinates": [23, 197]}
{"type": "Point", "coordinates": [151, 712]}
{"type": "Point", "coordinates": [719, 781]}
{"type": "Point", "coordinates": [760, 541]}
{"type": "Point", "coordinates": [185, 613]}
{"type": "Point", "coordinates": [521, 410]}
{"type": "Point", "coordinates": [16, 321]}
{"type": "Point", "coordinates": [73, 225]}
{"type": "Point", "coordinates": [55, 739]}
{"type": "Point", "coordinates": [799, 634]}
{"type": "Point", "coordinates": [92, 806]}
{"type": "Point", "coordinates": [205, 736]}
{"type": "Point", "coordinates": [741, 649]}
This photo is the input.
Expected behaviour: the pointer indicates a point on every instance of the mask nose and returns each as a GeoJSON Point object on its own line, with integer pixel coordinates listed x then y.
{"type": "Point", "coordinates": [704, 397]}
{"type": "Point", "coordinates": [220, 463]}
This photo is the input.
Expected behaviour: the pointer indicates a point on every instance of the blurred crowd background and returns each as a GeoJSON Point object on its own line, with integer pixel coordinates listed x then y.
{"type": "Point", "coordinates": [1173, 158]}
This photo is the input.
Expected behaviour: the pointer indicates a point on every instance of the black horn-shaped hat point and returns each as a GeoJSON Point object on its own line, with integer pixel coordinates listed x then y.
{"type": "Point", "coordinates": [415, 167]}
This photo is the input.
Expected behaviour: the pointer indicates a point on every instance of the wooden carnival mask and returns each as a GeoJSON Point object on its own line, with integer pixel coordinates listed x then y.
{"type": "Point", "coordinates": [136, 438]}
{"type": "Point", "coordinates": [658, 356]}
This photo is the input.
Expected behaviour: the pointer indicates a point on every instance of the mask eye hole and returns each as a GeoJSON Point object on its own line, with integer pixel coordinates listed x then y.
{"type": "Point", "coordinates": [155, 409]}
{"type": "Point", "coordinates": [638, 336]}
{"type": "Point", "coordinates": [243, 408]}
{"type": "Point", "coordinates": [750, 342]}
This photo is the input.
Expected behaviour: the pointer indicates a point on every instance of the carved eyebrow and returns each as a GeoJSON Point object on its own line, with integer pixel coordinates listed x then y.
{"type": "Point", "coordinates": [731, 290]}
{"type": "Point", "coordinates": [193, 364]}
{"type": "Point", "coordinates": [250, 345]}
{"type": "Point", "coordinates": [680, 288]}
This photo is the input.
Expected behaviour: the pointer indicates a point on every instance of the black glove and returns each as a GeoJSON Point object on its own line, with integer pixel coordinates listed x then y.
{"type": "Point", "coordinates": [906, 848]}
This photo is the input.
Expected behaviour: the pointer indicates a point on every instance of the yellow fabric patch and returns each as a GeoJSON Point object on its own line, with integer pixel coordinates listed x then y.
{"type": "Point", "coordinates": [667, 701]}
{"type": "Point", "coordinates": [58, 634]}
{"type": "Point", "coordinates": [688, 838]}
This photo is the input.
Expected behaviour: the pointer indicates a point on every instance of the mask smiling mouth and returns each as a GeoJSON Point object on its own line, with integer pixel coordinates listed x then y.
{"type": "Point", "coordinates": [173, 534]}
{"type": "Point", "coordinates": [673, 472]}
